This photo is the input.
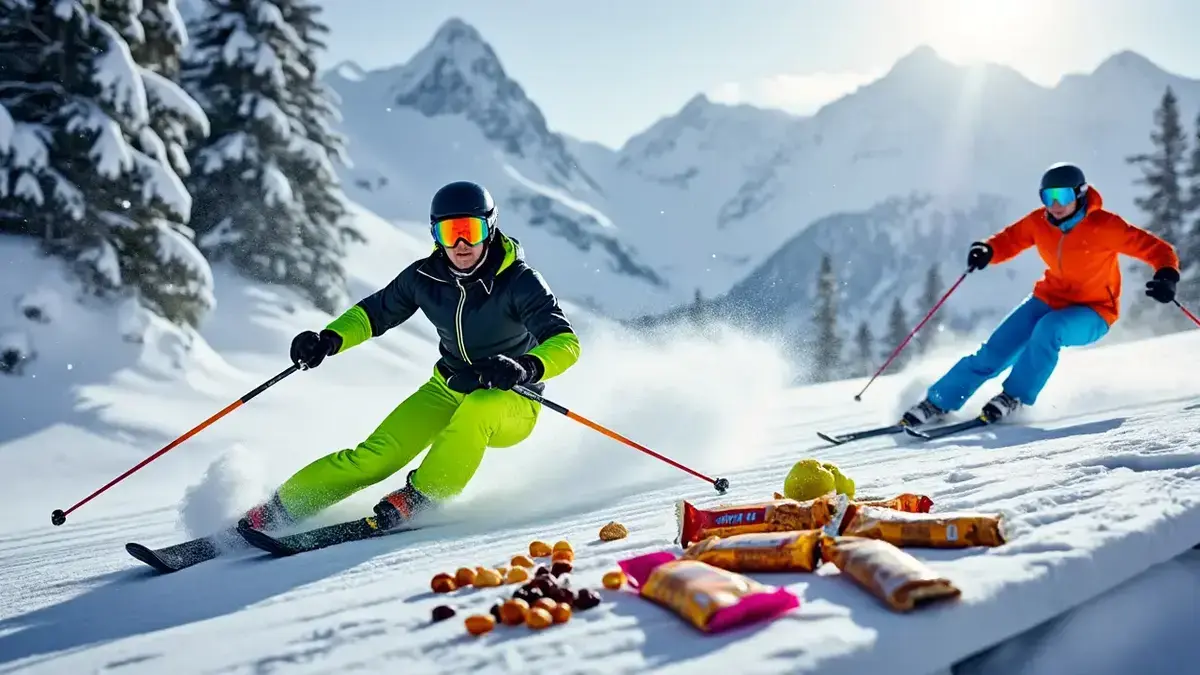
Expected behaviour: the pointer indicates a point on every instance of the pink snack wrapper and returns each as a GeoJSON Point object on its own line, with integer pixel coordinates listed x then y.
{"type": "Point", "coordinates": [708, 597]}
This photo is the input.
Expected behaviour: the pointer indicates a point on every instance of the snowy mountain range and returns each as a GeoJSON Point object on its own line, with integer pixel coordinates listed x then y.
{"type": "Point", "coordinates": [703, 198]}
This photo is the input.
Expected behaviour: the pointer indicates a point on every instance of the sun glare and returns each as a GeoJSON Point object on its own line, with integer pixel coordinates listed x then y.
{"type": "Point", "coordinates": [983, 30]}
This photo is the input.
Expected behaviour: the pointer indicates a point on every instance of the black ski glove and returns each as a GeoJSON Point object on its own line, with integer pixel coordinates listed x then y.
{"type": "Point", "coordinates": [979, 255]}
{"type": "Point", "coordinates": [1162, 286]}
{"type": "Point", "coordinates": [309, 349]}
{"type": "Point", "coordinates": [502, 372]}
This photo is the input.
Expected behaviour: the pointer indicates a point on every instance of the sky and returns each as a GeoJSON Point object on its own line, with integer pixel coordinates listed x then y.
{"type": "Point", "coordinates": [604, 70]}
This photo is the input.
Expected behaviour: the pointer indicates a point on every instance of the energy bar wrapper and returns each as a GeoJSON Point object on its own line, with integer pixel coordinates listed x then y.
{"type": "Point", "coordinates": [924, 530]}
{"type": "Point", "coordinates": [779, 515]}
{"type": "Point", "coordinates": [893, 576]}
{"type": "Point", "coordinates": [709, 598]}
{"type": "Point", "coordinates": [795, 551]}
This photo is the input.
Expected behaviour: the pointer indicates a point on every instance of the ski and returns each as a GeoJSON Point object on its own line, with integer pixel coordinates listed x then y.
{"type": "Point", "coordinates": [838, 439]}
{"type": "Point", "coordinates": [177, 556]}
{"type": "Point", "coordinates": [321, 537]}
{"type": "Point", "coordinates": [948, 429]}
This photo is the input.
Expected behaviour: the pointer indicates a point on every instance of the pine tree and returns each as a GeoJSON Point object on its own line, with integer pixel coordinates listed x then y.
{"type": "Point", "coordinates": [267, 195]}
{"type": "Point", "coordinates": [897, 330]}
{"type": "Point", "coordinates": [85, 171]}
{"type": "Point", "coordinates": [328, 228]}
{"type": "Point", "coordinates": [927, 338]}
{"type": "Point", "coordinates": [1192, 240]}
{"type": "Point", "coordinates": [1161, 171]}
{"type": "Point", "coordinates": [865, 343]}
{"type": "Point", "coordinates": [827, 352]}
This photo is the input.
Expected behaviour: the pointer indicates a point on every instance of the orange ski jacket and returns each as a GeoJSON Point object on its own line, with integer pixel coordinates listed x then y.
{"type": "Point", "coordinates": [1081, 264]}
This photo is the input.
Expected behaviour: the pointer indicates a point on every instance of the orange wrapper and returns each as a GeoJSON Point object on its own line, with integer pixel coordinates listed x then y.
{"type": "Point", "coordinates": [780, 515]}
{"type": "Point", "coordinates": [796, 551]}
{"type": "Point", "coordinates": [709, 598]}
{"type": "Point", "coordinates": [908, 502]}
{"type": "Point", "coordinates": [895, 577]}
{"type": "Point", "coordinates": [924, 530]}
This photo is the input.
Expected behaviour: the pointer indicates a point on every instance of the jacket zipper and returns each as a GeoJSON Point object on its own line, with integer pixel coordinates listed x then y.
{"type": "Point", "coordinates": [462, 301]}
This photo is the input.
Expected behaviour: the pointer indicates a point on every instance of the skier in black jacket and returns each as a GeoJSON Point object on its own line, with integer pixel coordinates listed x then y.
{"type": "Point", "coordinates": [499, 326]}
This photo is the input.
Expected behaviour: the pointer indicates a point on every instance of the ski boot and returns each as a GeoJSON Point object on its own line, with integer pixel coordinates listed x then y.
{"type": "Point", "coordinates": [401, 506]}
{"type": "Point", "coordinates": [924, 412]}
{"type": "Point", "coordinates": [268, 516]}
{"type": "Point", "coordinates": [1002, 405]}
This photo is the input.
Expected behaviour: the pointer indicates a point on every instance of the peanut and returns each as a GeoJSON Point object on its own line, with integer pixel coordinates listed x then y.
{"type": "Point", "coordinates": [478, 624]}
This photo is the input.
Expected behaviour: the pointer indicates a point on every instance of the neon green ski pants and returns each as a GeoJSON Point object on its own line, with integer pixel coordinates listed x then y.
{"type": "Point", "coordinates": [456, 428]}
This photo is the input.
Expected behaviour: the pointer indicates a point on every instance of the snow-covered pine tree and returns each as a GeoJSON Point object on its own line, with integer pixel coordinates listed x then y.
{"type": "Point", "coordinates": [927, 338]}
{"type": "Point", "coordinates": [328, 227]}
{"type": "Point", "coordinates": [865, 346]}
{"type": "Point", "coordinates": [1191, 248]}
{"type": "Point", "coordinates": [827, 350]}
{"type": "Point", "coordinates": [1162, 174]}
{"type": "Point", "coordinates": [88, 172]}
{"type": "Point", "coordinates": [1162, 170]}
{"type": "Point", "coordinates": [897, 330]}
{"type": "Point", "coordinates": [266, 192]}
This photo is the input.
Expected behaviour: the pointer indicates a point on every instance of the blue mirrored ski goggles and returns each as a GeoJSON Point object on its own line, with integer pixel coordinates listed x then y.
{"type": "Point", "coordinates": [1058, 195]}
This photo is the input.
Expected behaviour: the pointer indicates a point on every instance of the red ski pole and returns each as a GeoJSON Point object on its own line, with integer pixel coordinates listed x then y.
{"type": "Point", "coordinates": [721, 484]}
{"type": "Point", "coordinates": [1186, 312]}
{"type": "Point", "coordinates": [58, 517]}
{"type": "Point", "coordinates": [858, 396]}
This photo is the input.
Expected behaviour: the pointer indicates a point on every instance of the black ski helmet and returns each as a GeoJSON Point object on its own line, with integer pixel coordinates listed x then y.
{"type": "Point", "coordinates": [1064, 175]}
{"type": "Point", "coordinates": [462, 198]}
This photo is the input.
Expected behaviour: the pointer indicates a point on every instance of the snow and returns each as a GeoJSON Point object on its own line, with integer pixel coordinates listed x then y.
{"type": "Point", "coordinates": [109, 151]}
{"type": "Point", "coordinates": [161, 181]}
{"type": "Point", "coordinates": [120, 78]}
{"type": "Point", "coordinates": [7, 129]}
{"type": "Point", "coordinates": [276, 187]}
{"type": "Point", "coordinates": [1099, 484]}
{"type": "Point", "coordinates": [172, 97]}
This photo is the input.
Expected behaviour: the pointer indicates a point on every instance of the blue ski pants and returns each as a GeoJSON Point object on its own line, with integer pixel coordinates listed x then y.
{"type": "Point", "coordinates": [1028, 339]}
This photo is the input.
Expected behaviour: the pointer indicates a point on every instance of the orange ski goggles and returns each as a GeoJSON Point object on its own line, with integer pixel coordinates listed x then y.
{"type": "Point", "coordinates": [469, 229]}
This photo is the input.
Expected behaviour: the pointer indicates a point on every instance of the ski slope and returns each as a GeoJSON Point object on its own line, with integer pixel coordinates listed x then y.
{"type": "Point", "coordinates": [1100, 487]}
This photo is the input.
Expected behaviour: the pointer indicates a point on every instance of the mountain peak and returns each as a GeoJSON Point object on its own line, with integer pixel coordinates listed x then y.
{"type": "Point", "coordinates": [920, 62]}
{"type": "Point", "coordinates": [1127, 61]}
{"type": "Point", "coordinates": [455, 31]}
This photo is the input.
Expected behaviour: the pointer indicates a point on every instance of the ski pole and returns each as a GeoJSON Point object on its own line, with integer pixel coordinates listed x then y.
{"type": "Point", "coordinates": [721, 484]}
{"type": "Point", "coordinates": [1185, 311]}
{"type": "Point", "coordinates": [858, 396]}
{"type": "Point", "coordinates": [58, 517]}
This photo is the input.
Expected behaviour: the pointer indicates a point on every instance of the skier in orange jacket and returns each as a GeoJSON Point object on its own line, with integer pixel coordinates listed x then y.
{"type": "Point", "coordinates": [1073, 305]}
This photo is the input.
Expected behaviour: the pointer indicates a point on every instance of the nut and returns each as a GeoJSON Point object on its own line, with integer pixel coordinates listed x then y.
{"type": "Point", "coordinates": [516, 575]}
{"type": "Point", "coordinates": [442, 612]}
{"type": "Point", "coordinates": [560, 568]}
{"type": "Point", "coordinates": [613, 531]}
{"type": "Point", "coordinates": [539, 549]}
{"type": "Point", "coordinates": [562, 546]}
{"type": "Point", "coordinates": [495, 610]}
{"type": "Point", "coordinates": [464, 576]}
{"type": "Point", "coordinates": [585, 599]}
{"type": "Point", "coordinates": [442, 583]}
{"type": "Point", "coordinates": [478, 624]}
{"type": "Point", "coordinates": [544, 584]}
{"type": "Point", "coordinates": [541, 571]}
{"type": "Point", "coordinates": [513, 612]}
{"type": "Point", "coordinates": [563, 595]}
{"type": "Point", "coordinates": [538, 619]}
{"type": "Point", "coordinates": [561, 613]}
{"type": "Point", "coordinates": [614, 580]}
{"type": "Point", "coordinates": [487, 579]}
{"type": "Point", "coordinates": [546, 604]}
{"type": "Point", "coordinates": [522, 561]}
{"type": "Point", "coordinates": [562, 556]}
